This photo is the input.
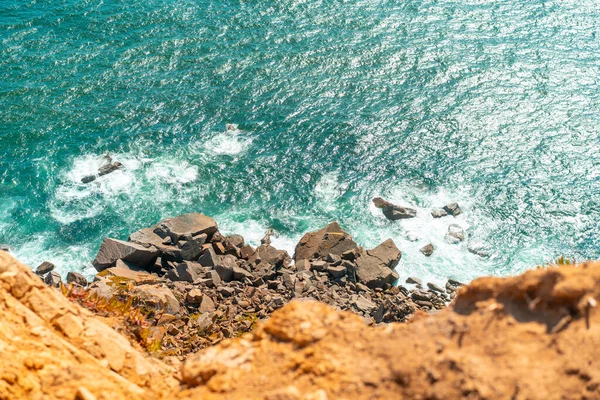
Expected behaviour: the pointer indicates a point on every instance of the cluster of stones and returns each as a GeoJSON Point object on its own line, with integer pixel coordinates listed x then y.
{"type": "Point", "coordinates": [200, 286]}
{"type": "Point", "coordinates": [454, 235]}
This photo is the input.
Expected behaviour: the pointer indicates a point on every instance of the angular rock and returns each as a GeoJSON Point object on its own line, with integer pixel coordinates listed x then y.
{"type": "Point", "coordinates": [225, 266]}
{"type": "Point", "coordinates": [209, 258]}
{"type": "Point", "coordinates": [44, 268]}
{"type": "Point", "coordinates": [146, 237]}
{"type": "Point", "coordinates": [387, 252]}
{"type": "Point", "coordinates": [373, 272]}
{"type": "Point", "coordinates": [435, 287]}
{"type": "Point", "coordinates": [104, 170]}
{"type": "Point", "coordinates": [438, 213]}
{"type": "Point", "coordinates": [123, 271]}
{"type": "Point", "coordinates": [194, 296]}
{"type": "Point", "coordinates": [187, 271]}
{"type": "Point", "coordinates": [392, 211]}
{"type": "Point", "coordinates": [190, 249]}
{"type": "Point", "coordinates": [318, 266]}
{"type": "Point", "coordinates": [452, 209]}
{"type": "Point", "coordinates": [53, 279]}
{"type": "Point", "coordinates": [302, 265]}
{"type": "Point", "coordinates": [427, 250]}
{"type": "Point", "coordinates": [246, 252]}
{"type": "Point", "coordinates": [337, 271]}
{"type": "Point", "coordinates": [269, 254]}
{"type": "Point", "coordinates": [159, 297]}
{"type": "Point", "coordinates": [207, 305]}
{"type": "Point", "coordinates": [414, 280]}
{"type": "Point", "coordinates": [112, 250]}
{"type": "Point", "coordinates": [239, 274]}
{"type": "Point", "coordinates": [331, 239]}
{"type": "Point", "coordinates": [187, 224]}
{"type": "Point", "coordinates": [77, 278]}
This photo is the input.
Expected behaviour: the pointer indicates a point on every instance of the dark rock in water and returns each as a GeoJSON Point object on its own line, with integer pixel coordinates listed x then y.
{"type": "Point", "coordinates": [4, 247]}
{"type": "Point", "coordinates": [269, 254]}
{"type": "Point", "coordinates": [392, 211]}
{"type": "Point", "coordinates": [53, 279]}
{"type": "Point", "coordinates": [104, 170]}
{"type": "Point", "coordinates": [455, 232]}
{"type": "Point", "coordinates": [375, 267]}
{"type": "Point", "coordinates": [456, 283]}
{"type": "Point", "coordinates": [267, 238]}
{"type": "Point", "coordinates": [435, 287]}
{"type": "Point", "coordinates": [44, 268]}
{"type": "Point", "coordinates": [438, 213]}
{"type": "Point", "coordinates": [427, 250]}
{"type": "Point", "coordinates": [112, 250]}
{"type": "Point", "coordinates": [478, 252]}
{"type": "Point", "coordinates": [192, 224]}
{"type": "Point", "coordinates": [453, 209]}
{"type": "Point", "coordinates": [414, 280]}
{"type": "Point", "coordinates": [77, 278]}
{"type": "Point", "coordinates": [331, 239]}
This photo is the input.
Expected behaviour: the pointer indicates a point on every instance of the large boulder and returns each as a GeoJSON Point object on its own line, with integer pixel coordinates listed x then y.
{"type": "Point", "coordinates": [329, 240]}
{"type": "Point", "coordinates": [159, 297]}
{"type": "Point", "coordinates": [193, 224]}
{"type": "Point", "coordinates": [112, 250]}
{"type": "Point", "coordinates": [392, 211]}
{"type": "Point", "coordinates": [374, 268]}
{"type": "Point", "coordinates": [270, 255]}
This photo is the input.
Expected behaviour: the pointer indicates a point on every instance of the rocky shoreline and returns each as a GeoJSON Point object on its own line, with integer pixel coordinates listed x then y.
{"type": "Point", "coordinates": [196, 286]}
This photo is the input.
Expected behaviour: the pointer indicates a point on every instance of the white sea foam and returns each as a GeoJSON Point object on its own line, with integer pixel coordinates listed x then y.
{"type": "Point", "coordinates": [41, 248]}
{"type": "Point", "coordinates": [231, 142]}
{"type": "Point", "coordinates": [329, 188]}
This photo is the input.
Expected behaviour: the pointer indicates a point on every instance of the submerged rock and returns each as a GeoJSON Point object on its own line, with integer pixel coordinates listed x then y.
{"type": "Point", "coordinates": [104, 170]}
{"type": "Point", "coordinates": [392, 211]}
{"type": "Point", "coordinates": [455, 234]}
{"type": "Point", "coordinates": [438, 213]}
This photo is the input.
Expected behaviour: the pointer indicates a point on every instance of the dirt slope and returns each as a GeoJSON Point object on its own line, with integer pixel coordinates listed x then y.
{"type": "Point", "coordinates": [536, 336]}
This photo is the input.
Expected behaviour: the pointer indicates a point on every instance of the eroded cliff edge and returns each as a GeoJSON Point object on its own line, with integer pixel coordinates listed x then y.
{"type": "Point", "coordinates": [535, 336]}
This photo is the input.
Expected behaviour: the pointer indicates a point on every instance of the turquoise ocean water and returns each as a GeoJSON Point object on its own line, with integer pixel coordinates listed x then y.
{"type": "Point", "coordinates": [490, 103]}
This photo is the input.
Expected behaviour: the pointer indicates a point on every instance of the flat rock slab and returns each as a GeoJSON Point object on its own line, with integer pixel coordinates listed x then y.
{"type": "Point", "coordinates": [187, 224]}
{"type": "Point", "coordinates": [392, 211]}
{"type": "Point", "coordinates": [127, 272]}
{"type": "Point", "coordinates": [112, 250]}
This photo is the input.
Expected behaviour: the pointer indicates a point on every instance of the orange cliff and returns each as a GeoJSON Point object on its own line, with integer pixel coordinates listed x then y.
{"type": "Point", "coordinates": [536, 336]}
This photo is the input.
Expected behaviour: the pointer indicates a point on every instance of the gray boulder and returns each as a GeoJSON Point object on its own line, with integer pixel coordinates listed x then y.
{"type": "Point", "coordinates": [77, 278]}
{"type": "Point", "coordinates": [112, 250]}
{"type": "Point", "coordinates": [270, 255]}
{"type": "Point", "coordinates": [44, 268]}
{"type": "Point", "coordinates": [331, 239]}
{"type": "Point", "coordinates": [427, 250]}
{"type": "Point", "coordinates": [374, 268]}
{"type": "Point", "coordinates": [187, 271]}
{"type": "Point", "coordinates": [452, 209]}
{"type": "Point", "coordinates": [192, 224]}
{"type": "Point", "coordinates": [392, 211]}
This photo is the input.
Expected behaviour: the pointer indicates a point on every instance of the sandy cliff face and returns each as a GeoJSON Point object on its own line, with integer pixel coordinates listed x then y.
{"type": "Point", "coordinates": [54, 349]}
{"type": "Point", "coordinates": [536, 336]}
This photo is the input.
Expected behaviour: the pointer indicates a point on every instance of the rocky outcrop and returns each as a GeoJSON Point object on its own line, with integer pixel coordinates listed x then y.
{"type": "Point", "coordinates": [104, 170]}
{"type": "Point", "coordinates": [329, 240]}
{"type": "Point", "coordinates": [375, 268]}
{"type": "Point", "coordinates": [392, 211]}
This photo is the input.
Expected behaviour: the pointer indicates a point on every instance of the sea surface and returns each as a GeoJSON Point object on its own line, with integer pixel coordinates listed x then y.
{"type": "Point", "coordinates": [493, 104]}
